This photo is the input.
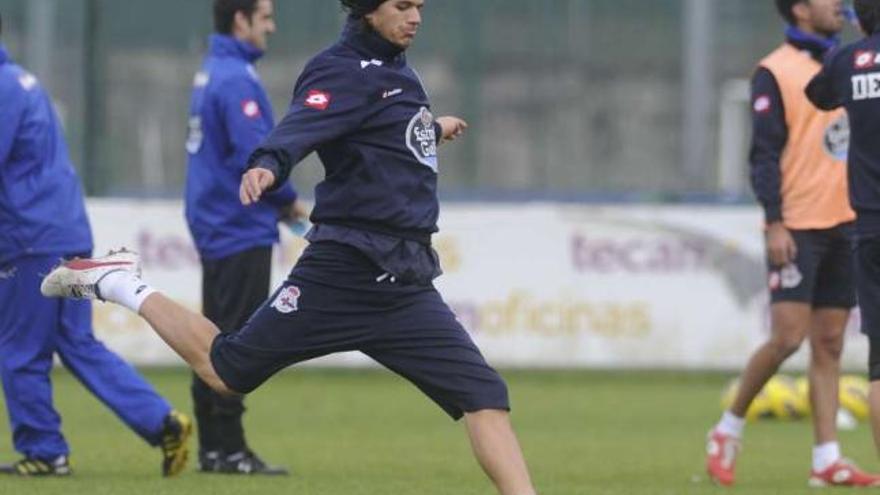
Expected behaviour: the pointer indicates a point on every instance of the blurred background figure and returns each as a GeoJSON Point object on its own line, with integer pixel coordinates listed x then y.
{"type": "Point", "coordinates": [798, 165]}
{"type": "Point", "coordinates": [42, 220]}
{"type": "Point", "coordinates": [230, 115]}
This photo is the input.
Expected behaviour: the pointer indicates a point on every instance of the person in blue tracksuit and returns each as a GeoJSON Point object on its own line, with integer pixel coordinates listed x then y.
{"type": "Point", "coordinates": [42, 220]}
{"type": "Point", "coordinates": [365, 281]}
{"type": "Point", "coordinates": [230, 115]}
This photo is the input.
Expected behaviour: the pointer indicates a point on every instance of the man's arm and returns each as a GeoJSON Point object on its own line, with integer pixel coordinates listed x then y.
{"type": "Point", "coordinates": [246, 127]}
{"type": "Point", "coordinates": [820, 90]}
{"type": "Point", "coordinates": [769, 136]}
{"type": "Point", "coordinates": [327, 103]}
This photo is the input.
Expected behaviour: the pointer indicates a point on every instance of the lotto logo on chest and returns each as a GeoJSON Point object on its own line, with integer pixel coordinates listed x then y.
{"type": "Point", "coordinates": [421, 138]}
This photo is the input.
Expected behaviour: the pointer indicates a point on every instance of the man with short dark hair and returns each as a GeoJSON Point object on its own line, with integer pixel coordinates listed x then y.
{"type": "Point", "coordinates": [43, 219]}
{"type": "Point", "coordinates": [798, 174]}
{"type": "Point", "coordinates": [365, 281]}
{"type": "Point", "coordinates": [850, 78]}
{"type": "Point", "coordinates": [230, 115]}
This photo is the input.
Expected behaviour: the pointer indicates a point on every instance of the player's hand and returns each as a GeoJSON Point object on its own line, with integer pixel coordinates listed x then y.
{"type": "Point", "coordinates": [452, 127]}
{"type": "Point", "coordinates": [254, 183]}
{"type": "Point", "coordinates": [781, 248]}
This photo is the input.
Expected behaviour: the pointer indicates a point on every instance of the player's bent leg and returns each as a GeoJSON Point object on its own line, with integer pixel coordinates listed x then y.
{"type": "Point", "coordinates": [790, 322]}
{"type": "Point", "coordinates": [498, 451]}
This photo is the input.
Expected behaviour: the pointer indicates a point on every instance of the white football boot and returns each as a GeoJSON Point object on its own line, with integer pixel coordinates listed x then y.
{"type": "Point", "coordinates": [78, 278]}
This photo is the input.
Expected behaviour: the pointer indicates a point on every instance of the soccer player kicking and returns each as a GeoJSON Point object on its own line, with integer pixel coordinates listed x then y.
{"type": "Point", "coordinates": [365, 281]}
{"type": "Point", "coordinates": [851, 79]}
{"type": "Point", "coordinates": [799, 176]}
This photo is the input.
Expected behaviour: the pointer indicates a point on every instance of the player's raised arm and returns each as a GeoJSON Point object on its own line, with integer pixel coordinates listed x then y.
{"type": "Point", "coordinates": [325, 106]}
{"type": "Point", "coordinates": [821, 91]}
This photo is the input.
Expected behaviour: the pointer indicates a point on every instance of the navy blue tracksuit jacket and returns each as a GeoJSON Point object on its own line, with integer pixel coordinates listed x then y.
{"type": "Point", "coordinates": [230, 114]}
{"type": "Point", "coordinates": [367, 115]}
{"type": "Point", "coordinates": [850, 78]}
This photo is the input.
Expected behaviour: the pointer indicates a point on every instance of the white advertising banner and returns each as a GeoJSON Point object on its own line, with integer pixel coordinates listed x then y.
{"type": "Point", "coordinates": [537, 285]}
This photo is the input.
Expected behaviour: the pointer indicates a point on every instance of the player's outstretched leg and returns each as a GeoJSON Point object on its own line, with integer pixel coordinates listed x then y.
{"type": "Point", "coordinates": [498, 451]}
{"type": "Point", "coordinates": [116, 278]}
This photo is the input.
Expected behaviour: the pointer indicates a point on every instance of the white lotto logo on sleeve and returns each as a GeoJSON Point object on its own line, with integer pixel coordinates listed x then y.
{"type": "Point", "coordinates": [250, 108]}
{"type": "Point", "coordinates": [762, 104]}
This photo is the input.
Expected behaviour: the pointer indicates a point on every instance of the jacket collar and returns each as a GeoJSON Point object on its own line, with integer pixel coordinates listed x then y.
{"type": "Point", "coordinates": [817, 45]}
{"type": "Point", "coordinates": [224, 45]}
{"type": "Point", "coordinates": [4, 55]}
{"type": "Point", "coordinates": [369, 43]}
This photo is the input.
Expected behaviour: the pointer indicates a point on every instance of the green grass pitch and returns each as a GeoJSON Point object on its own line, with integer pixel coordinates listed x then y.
{"type": "Point", "coordinates": [369, 432]}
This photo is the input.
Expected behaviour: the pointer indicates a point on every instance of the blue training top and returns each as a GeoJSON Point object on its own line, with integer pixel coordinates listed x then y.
{"type": "Point", "coordinates": [367, 114]}
{"type": "Point", "coordinates": [41, 203]}
{"type": "Point", "coordinates": [230, 114]}
{"type": "Point", "coordinates": [851, 78]}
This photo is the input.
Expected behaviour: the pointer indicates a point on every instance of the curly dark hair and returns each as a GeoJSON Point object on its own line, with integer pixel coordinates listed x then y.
{"type": "Point", "coordinates": [360, 8]}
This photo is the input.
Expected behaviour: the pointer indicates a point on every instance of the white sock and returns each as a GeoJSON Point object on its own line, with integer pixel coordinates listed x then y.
{"type": "Point", "coordinates": [825, 455]}
{"type": "Point", "coordinates": [731, 424]}
{"type": "Point", "coordinates": [125, 289]}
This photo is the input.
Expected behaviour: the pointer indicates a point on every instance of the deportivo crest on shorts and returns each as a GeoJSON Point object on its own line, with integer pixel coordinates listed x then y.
{"type": "Point", "coordinates": [287, 301]}
{"type": "Point", "coordinates": [788, 277]}
{"type": "Point", "coordinates": [421, 138]}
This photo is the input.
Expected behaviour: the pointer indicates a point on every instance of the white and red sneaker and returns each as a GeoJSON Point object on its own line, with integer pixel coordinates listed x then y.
{"type": "Point", "coordinates": [721, 452]}
{"type": "Point", "coordinates": [843, 473]}
{"type": "Point", "coordinates": [78, 278]}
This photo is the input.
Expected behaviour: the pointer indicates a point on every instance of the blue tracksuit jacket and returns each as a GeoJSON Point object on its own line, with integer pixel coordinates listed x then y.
{"type": "Point", "coordinates": [230, 114]}
{"type": "Point", "coordinates": [367, 115]}
{"type": "Point", "coordinates": [42, 217]}
{"type": "Point", "coordinates": [41, 202]}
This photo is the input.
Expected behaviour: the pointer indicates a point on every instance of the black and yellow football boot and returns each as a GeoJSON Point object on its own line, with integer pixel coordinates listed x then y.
{"type": "Point", "coordinates": [176, 432]}
{"type": "Point", "coordinates": [29, 466]}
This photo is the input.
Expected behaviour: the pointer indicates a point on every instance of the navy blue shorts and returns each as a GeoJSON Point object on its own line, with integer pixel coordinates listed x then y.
{"type": "Point", "coordinates": [868, 285]}
{"type": "Point", "coordinates": [337, 300]}
{"type": "Point", "coordinates": [822, 273]}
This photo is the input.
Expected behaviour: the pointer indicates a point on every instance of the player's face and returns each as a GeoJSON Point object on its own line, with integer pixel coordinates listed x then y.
{"type": "Point", "coordinates": [825, 16]}
{"type": "Point", "coordinates": [397, 21]}
{"type": "Point", "coordinates": [256, 31]}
